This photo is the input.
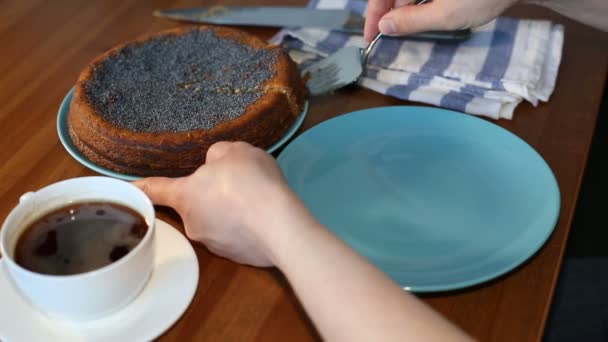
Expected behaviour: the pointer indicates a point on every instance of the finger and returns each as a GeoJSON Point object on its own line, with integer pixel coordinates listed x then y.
{"type": "Point", "coordinates": [375, 10]}
{"type": "Point", "coordinates": [160, 190]}
{"type": "Point", "coordinates": [410, 19]}
{"type": "Point", "coordinates": [218, 150]}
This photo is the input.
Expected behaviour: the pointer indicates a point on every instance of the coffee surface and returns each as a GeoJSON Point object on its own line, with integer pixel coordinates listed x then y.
{"type": "Point", "coordinates": [79, 238]}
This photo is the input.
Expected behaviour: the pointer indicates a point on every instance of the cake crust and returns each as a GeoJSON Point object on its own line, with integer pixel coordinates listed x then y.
{"type": "Point", "coordinates": [180, 153]}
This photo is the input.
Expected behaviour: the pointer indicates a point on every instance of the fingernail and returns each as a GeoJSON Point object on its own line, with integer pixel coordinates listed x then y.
{"type": "Point", "coordinates": [387, 26]}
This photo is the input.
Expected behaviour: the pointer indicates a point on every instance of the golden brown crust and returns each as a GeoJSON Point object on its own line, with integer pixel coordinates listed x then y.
{"type": "Point", "coordinates": [176, 154]}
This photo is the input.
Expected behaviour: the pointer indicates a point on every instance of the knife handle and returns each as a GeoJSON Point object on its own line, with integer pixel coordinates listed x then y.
{"type": "Point", "coordinates": [443, 35]}
{"type": "Point", "coordinates": [355, 22]}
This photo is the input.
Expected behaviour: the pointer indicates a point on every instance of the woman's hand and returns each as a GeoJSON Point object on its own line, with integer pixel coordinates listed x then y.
{"type": "Point", "coordinates": [230, 203]}
{"type": "Point", "coordinates": [406, 18]}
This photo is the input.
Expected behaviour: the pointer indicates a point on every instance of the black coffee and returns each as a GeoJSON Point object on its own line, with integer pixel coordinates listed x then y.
{"type": "Point", "coordinates": [79, 238]}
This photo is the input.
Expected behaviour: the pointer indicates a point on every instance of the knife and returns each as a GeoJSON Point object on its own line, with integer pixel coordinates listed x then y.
{"type": "Point", "coordinates": [281, 16]}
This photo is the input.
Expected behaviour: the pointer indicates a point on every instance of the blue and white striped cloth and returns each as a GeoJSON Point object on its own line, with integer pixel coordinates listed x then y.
{"type": "Point", "coordinates": [505, 61]}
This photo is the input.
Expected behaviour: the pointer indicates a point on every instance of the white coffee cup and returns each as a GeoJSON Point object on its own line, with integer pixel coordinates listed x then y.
{"type": "Point", "coordinates": [92, 294]}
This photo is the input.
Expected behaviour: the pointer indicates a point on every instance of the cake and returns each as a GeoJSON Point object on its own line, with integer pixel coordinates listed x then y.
{"type": "Point", "coordinates": [154, 105]}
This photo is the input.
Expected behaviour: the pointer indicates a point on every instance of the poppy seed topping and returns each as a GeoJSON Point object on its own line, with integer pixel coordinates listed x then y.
{"type": "Point", "coordinates": [180, 83]}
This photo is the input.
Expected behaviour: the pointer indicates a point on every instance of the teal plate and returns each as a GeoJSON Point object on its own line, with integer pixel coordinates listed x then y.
{"type": "Point", "coordinates": [66, 141]}
{"type": "Point", "coordinates": [438, 200]}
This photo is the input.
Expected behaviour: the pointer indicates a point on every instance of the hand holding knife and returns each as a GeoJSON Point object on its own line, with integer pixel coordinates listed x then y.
{"type": "Point", "coordinates": [283, 16]}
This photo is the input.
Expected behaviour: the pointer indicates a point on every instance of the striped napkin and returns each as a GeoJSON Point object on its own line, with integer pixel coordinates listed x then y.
{"type": "Point", "coordinates": [505, 61]}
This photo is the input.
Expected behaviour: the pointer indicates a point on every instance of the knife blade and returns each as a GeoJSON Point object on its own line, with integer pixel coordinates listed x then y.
{"type": "Point", "coordinates": [284, 16]}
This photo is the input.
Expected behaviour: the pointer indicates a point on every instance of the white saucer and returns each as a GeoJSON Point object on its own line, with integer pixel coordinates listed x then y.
{"type": "Point", "coordinates": [160, 304]}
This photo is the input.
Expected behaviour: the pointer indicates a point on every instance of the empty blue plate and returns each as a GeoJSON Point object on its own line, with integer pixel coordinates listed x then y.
{"type": "Point", "coordinates": [438, 200]}
{"type": "Point", "coordinates": [66, 141]}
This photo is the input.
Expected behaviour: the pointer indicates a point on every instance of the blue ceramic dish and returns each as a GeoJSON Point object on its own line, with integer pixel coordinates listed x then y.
{"type": "Point", "coordinates": [437, 199]}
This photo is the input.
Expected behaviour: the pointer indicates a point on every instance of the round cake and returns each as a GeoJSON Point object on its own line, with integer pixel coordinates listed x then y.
{"type": "Point", "coordinates": [153, 106]}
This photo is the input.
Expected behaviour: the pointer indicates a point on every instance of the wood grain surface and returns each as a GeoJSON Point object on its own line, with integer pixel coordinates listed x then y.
{"type": "Point", "coordinates": [45, 44]}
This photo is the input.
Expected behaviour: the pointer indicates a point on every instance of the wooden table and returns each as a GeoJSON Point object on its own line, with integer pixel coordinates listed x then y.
{"type": "Point", "coordinates": [44, 45]}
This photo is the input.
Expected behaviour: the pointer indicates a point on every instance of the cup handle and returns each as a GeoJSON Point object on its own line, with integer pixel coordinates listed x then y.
{"type": "Point", "coordinates": [25, 197]}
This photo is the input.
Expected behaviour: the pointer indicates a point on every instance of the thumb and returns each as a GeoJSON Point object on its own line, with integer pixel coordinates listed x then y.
{"type": "Point", "coordinates": [161, 190]}
{"type": "Point", "coordinates": [412, 18]}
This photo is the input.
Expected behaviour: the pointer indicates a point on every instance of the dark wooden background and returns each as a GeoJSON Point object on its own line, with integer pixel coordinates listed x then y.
{"type": "Point", "coordinates": [45, 44]}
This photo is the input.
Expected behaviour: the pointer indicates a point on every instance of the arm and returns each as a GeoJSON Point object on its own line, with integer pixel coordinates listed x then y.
{"type": "Point", "coordinates": [240, 207]}
{"type": "Point", "coordinates": [405, 18]}
{"type": "Point", "coordinates": [347, 298]}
